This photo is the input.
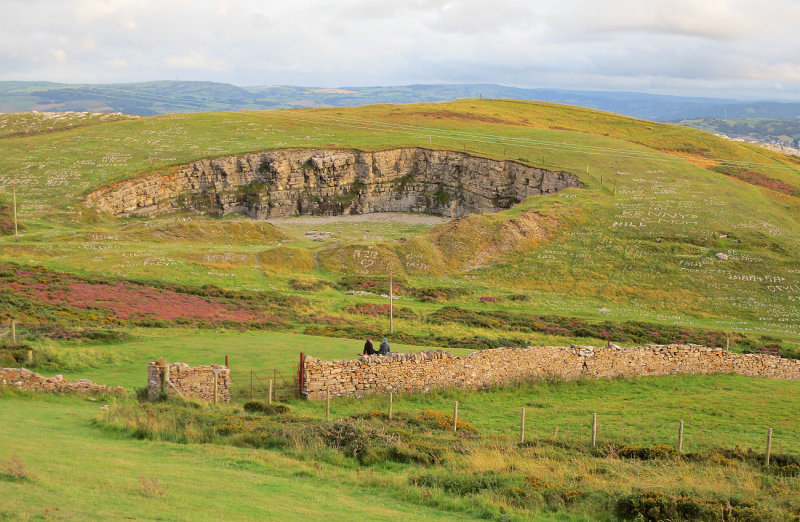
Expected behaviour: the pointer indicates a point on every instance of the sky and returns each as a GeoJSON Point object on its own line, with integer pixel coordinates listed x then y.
{"type": "Point", "coordinates": [722, 48]}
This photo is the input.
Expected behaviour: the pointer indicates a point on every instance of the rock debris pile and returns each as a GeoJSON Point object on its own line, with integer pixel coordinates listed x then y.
{"type": "Point", "coordinates": [29, 381]}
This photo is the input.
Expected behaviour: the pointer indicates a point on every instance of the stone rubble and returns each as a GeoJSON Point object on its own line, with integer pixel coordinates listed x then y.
{"type": "Point", "coordinates": [30, 381]}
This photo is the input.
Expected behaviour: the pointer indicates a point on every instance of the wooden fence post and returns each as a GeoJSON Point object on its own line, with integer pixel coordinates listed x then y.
{"type": "Point", "coordinates": [327, 404]}
{"type": "Point", "coordinates": [215, 373]}
{"type": "Point", "coordinates": [251, 385]}
{"type": "Point", "coordinates": [300, 371]}
{"type": "Point", "coordinates": [270, 391]}
{"type": "Point", "coordinates": [165, 380]}
{"type": "Point", "coordinates": [594, 430]}
{"type": "Point", "coordinates": [769, 446]}
{"type": "Point", "coordinates": [391, 396]}
{"type": "Point", "coordinates": [522, 426]}
{"type": "Point", "coordinates": [455, 416]}
{"type": "Point", "coordinates": [680, 438]}
{"type": "Point", "coordinates": [226, 362]}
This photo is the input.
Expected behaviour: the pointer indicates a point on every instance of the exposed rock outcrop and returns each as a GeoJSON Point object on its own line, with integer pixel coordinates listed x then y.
{"type": "Point", "coordinates": [283, 183]}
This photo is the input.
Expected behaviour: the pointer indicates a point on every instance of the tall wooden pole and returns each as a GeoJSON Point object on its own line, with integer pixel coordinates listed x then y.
{"type": "Point", "coordinates": [327, 404]}
{"type": "Point", "coordinates": [391, 305]}
{"type": "Point", "coordinates": [769, 447]}
{"type": "Point", "coordinates": [16, 232]}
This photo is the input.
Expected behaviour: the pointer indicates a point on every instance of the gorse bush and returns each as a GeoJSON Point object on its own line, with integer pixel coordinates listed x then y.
{"type": "Point", "coordinates": [657, 506]}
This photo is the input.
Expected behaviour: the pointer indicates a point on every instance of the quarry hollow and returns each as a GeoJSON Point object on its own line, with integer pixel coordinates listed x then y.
{"type": "Point", "coordinates": [292, 182]}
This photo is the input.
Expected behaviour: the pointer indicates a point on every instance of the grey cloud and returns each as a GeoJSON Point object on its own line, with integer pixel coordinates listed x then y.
{"type": "Point", "coordinates": [687, 46]}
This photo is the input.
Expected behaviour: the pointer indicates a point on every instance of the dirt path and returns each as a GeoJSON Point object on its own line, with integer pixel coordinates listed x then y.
{"type": "Point", "coordinates": [408, 218]}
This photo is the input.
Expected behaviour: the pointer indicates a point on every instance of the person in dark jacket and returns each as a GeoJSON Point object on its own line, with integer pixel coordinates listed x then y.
{"type": "Point", "coordinates": [384, 348]}
{"type": "Point", "coordinates": [368, 349]}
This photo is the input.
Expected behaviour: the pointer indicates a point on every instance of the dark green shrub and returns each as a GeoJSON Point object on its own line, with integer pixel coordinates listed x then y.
{"type": "Point", "coordinates": [465, 483]}
{"type": "Point", "coordinates": [267, 409]}
{"type": "Point", "coordinates": [647, 505]}
{"type": "Point", "coordinates": [366, 443]}
{"type": "Point", "coordinates": [647, 453]}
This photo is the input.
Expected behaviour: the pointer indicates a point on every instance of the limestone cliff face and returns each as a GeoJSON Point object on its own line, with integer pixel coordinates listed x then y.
{"type": "Point", "coordinates": [282, 183]}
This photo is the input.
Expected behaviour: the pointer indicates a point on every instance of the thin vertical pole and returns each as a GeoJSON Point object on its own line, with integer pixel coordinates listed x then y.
{"type": "Point", "coordinates": [14, 331]}
{"type": "Point", "coordinates": [680, 438]}
{"type": "Point", "coordinates": [455, 416]}
{"type": "Point", "coordinates": [522, 426]}
{"type": "Point", "coordinates": [226, 362]}
{"type": "Point", "coordinates": [16, 232]}
{"type": "Point", "coordinates": [216, 384]}
{"type": "Point", "coordinates": [769, 446]}
{"type": "Point", "coordinates": [166, 379]}
{"type": "Point", "coordinates": [391, 397]}
{"type": "Point", "coordinates": [300, 374]}
{"type": "Point", "coordinates": [391, 305]}
{"type": "Point", "coordinates": [251, 385]}
{"type": "Point", "coordinates": [327, 404]}
{"type": "Point", "coordinates": [270, 391]}
{"type": "Point", "coordinates": [594, 430]}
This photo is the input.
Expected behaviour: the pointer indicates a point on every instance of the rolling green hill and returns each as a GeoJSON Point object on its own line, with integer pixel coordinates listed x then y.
{"type": "Point", "coordinates": [638, 242]}
{"type": "Point", "coordinates": [674, 235]}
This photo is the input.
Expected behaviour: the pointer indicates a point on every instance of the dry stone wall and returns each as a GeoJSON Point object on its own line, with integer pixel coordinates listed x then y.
{"type": "Point", "coordinates": [206, 383]}
{"type": "Point", "coordinates": [437, 369]}
{"type": "Point", "coordinates": [281, 183]}
{"type": "Point", "coordinates": [29, 381]}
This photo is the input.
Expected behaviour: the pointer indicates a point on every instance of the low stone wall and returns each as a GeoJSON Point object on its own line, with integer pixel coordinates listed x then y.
{"type": "Point", "coordinates": [437, 369]}
{"type": "Point", "coordinates": [30, 381]}
{"type": "Point", "coordinates": [206, 383]}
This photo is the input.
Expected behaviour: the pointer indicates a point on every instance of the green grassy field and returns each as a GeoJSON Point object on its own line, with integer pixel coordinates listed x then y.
{"type": "Point", "coordinates": [75, 471]}
{"type": "Point", "coordinates": [632, 259]}
{"type": "Point", "coordinates": [637, 243]}
{"type": "Point", "coordinates": [168, 469]}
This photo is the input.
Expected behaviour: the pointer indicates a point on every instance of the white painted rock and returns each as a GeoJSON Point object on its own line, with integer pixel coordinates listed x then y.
{"type": "Point", "coordinates": [722, 256]}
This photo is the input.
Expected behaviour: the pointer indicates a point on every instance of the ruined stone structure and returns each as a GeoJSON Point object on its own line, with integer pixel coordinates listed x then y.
{"type": "Point", "coordinates": [29, 381]}
{"type": "Point", "coordinates": [437, 369]}
{"type": "Point", "coordinates": [205, 383]}
{"type": "Point", "coordinates": [282, 183]}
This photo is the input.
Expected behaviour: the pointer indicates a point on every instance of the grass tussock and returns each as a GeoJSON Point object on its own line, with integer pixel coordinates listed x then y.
{"type": "Point", "coordinates": [287, 259]}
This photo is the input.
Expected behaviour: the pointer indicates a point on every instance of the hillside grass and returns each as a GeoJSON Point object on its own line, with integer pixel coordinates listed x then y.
{"type": "Point", "coordinates": [638, 242]}
{"type": "Point", "coordinates": [171, 459]}
{"type": "Point", "coordinates": [74, 471]}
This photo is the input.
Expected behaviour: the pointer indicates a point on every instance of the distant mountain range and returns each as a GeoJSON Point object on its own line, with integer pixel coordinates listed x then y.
{"type": "Point", "coordinates": [151, 98]}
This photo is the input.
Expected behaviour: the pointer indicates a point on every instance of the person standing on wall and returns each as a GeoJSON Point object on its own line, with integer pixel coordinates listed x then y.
{"type": "Point", "coordinates": [384, 348]}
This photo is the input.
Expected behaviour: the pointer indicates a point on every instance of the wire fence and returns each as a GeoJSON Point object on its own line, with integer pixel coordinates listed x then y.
{"type": "Point", "coordinates": [576, 426]}
{"type": "Point", "coordinates": [249, 385]}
